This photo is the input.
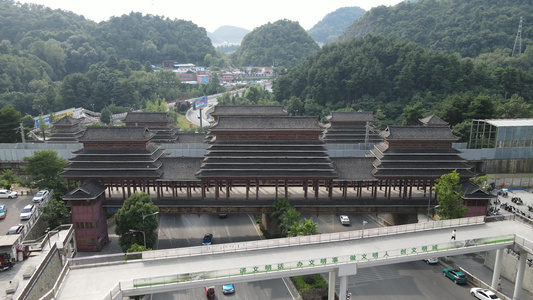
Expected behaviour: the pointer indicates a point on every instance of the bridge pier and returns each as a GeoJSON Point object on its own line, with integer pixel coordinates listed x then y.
{"type": "Point", "coordinates": [497, 269]}
{"type": "Point", "coordinates": [331, 288]}
{"type": "Point", "coordinates": [271, 225]}
{"type": "Point", "coordinates": [520, 275]}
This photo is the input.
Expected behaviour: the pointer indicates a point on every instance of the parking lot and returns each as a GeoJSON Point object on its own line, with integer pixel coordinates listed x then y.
{"type": "Point", "coordinates": [14, 208]}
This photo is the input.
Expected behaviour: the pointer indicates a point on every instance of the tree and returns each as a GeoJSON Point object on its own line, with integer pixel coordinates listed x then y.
{"type": "Point", "coordinates": [105, 116]}
{"type": "Point", "coordinates": [448, 191]}
{"type": "Point", "coordinates": [7, 178]}
{"type": "Point", "coordinates": [303, 227]}
{"type": "Point", "coordinates": [43, 127]}
{"type": "Point", "coordinates": [9, 124]}
{"type": "Point", "coordinates": [287, 219]}
{"type": "Point", "coordinates": [44, 168]}
{"type": "Point", "coordinates": [413, 113]}
{"type": "Point", "coordinates": [130, 217]}
{"type": "Point", "coordinates": [280, 206]}
{"type": "Point", "coordinates": [55, 214]}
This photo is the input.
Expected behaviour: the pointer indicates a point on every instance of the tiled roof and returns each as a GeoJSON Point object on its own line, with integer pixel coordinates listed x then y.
{"type": "Point", "coordinates": [472, 190]}
{"type": "Point", "coordinates": [191, 138]}
{"type": "Point", "coordinates": [266, 123]}
{"type": "Point", "coordinates": [180, 168]}
{"type": "Point", "coordinates": [441, 133]}
{"type": "Point", "coordinates": [362, 116]}
{"type": "Point", "coordinates": [263, 159]}
{"type": "Point", "coordinates": [248, 111]}
{"type": "Point", "coordinates": [433, 121]}
{"type": "Point", "coordinates": [116, 134]}
{"type": "Point", "coordinates": [90, 189]}
{"type": "Point", "coordinates": [353, 169]}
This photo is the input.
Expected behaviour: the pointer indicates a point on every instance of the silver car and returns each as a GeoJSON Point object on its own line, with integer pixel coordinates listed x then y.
{"type": "Point", "coordinates": [8, 194]}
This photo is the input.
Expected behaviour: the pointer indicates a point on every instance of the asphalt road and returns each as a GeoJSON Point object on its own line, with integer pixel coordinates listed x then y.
{"type": "Point", "coordinates": [14, 207]}
{"type": "Point", "coordinates": [406, 281]}
{"type": "Point", "coordinates": [188, 230]}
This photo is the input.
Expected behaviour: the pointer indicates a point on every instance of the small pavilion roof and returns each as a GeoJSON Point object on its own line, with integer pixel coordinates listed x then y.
{"type": "Point", "coordinates": [90, 189]}
{"type": "Point", "coordinates": [116, 134]}
{"type": "Point", "coordinates": [180, 168]}
{"type": "Point", "coordinates": [433, 120]}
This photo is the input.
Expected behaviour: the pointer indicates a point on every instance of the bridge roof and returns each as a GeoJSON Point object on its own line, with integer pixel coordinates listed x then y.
{"type": "Point", "coordinates": [215, 263]}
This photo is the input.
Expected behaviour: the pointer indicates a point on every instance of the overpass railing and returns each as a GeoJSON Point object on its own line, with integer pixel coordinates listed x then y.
{"type": "Point", "coordinates": [273, 243]}
{"type": "Point", "coordinates": [360, 258]}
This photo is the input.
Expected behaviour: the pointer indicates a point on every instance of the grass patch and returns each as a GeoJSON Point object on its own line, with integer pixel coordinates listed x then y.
{"type": "Point", "coordinates": [183, 123]}
{"type": "Point", "coordinates": [306, 282]}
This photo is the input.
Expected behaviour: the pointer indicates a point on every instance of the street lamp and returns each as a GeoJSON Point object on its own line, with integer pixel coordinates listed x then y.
{"type": "Point", "coordinates": [363, 230]}
{"type": "Point", "coordinates": [144, 236]}
{"type": "Point", "coordinates": [153, 214]}
{"type": "Point", "coordinates": [431, 208]}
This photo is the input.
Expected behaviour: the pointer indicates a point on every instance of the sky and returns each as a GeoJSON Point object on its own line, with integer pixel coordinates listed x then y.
{"type": "Point", "coordinates": [211, 14]}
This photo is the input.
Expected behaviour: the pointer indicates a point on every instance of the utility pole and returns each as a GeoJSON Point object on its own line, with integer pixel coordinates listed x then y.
{"type": "Point", "coordinates": [517, 49]}
{"type": "Point", "coordinates": [22, 133]}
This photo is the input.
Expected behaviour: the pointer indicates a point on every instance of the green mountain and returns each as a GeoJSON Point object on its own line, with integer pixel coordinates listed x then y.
{"type": "Point", "coordinates": [227, 35]}
{"type": "Point", "coordinates": [334, 24]}
{"type": "Point", "coordinates": [454, 26]}
{"type": "Point", "coordinates": [375, 73]}
{"type": "Point", "coordinates": [69, 43]}
{"type": "Point", "coordinates": [282, 43]}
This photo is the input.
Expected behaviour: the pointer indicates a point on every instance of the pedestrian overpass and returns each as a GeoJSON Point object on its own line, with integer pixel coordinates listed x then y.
{"type": "Point", "coordinates": [340, 254]}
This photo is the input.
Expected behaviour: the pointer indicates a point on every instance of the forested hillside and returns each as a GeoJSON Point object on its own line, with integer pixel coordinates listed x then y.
{"type": "Point", "coordinates": [282, 43]}
{"type": "Point", "coordinates": [334, 24]}
{"type": "Point", "coordinates": [387, 76]}
{"type": "Point", "coordinates": [69, 43]}
{"type": "Point", "coordinates": [454, 26]}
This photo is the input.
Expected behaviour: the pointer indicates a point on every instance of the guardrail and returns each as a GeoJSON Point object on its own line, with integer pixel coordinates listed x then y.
{"type": "Point", "coordinates": [275, 243]}
{"type": "Point", "coordinates": [359, 258]}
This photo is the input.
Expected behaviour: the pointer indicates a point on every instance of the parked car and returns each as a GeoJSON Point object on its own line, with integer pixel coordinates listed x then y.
{"type": "Point", "coordinates": [228, 289]}
{"type": "Point", "coordinates": [8, 194]}
{"type": "Point", "coordinates": [222, 216]}
{"type": "Point", "coordinates": [344, 220]}
{"type": "Point", "coordinates": [27, 212]}
{"type": "Point", "coordinates": [455, 275]}
{"type": "Point", "coordinates": [3, 211]}
{"type": "Point", "coordinates": [431, 260]}
{"type": "Point", "coordinates": [17, 229]}
{"type": "Point", "coordinates": [483, 294]}
{"type": "Point", "coordinates": [208, 239]}
{"type": "Point", "coordinates": [40, 196]}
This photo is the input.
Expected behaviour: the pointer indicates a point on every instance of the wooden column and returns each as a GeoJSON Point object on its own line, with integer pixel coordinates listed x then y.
{"type": "Point", "coordinates": [286, 189]}
{"type": "Point", "coordinates": [247, 189]}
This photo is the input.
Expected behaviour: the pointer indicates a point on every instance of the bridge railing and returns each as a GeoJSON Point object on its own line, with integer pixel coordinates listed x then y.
{"type": "Point", "coordinates": [415, 253]}
{"type": "Point", "coordinates": [274, 243]}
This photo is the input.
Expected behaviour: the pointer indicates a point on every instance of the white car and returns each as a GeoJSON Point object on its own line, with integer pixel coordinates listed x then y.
{"type": "Point", "coordinates": [483, 294]}
{"type": "Point", "coordinates": [431, 260]}
{"type": "Point", "coordinates": [40, 196]}
{"type": "Point", "coordinates": [7, 194]}
{"type": "Point", "coordinates": [27, 212]}
{"type": "Point", "coordinates": [344, 220]}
